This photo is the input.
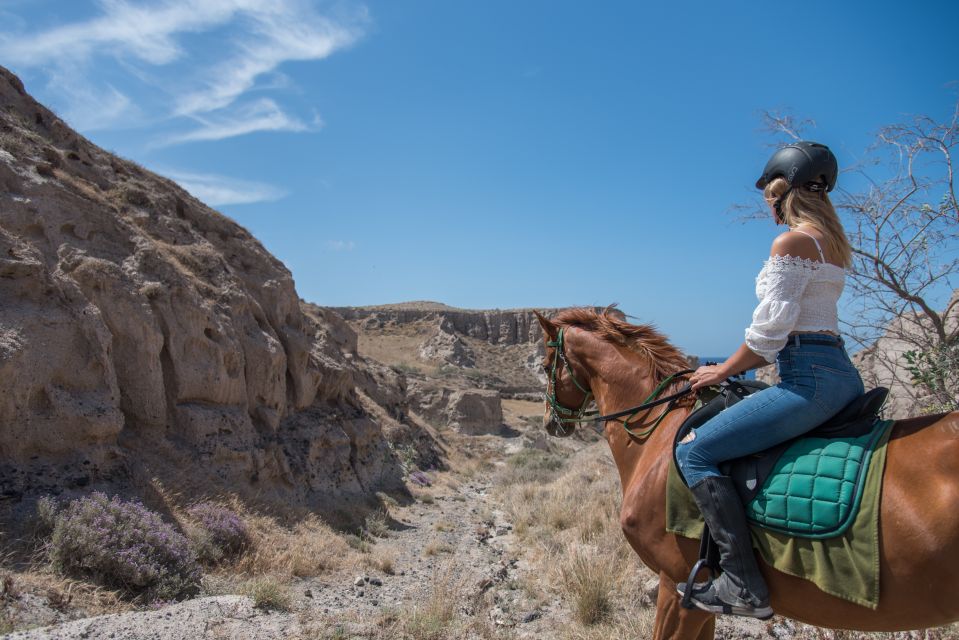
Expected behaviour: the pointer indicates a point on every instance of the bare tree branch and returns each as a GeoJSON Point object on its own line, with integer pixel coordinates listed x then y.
{"type": "Point", "coordinates": [904, 230]}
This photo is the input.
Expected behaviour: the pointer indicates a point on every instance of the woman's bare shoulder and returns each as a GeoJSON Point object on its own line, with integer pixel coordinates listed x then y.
{"type": "Point", "coordinates": [795, 244]}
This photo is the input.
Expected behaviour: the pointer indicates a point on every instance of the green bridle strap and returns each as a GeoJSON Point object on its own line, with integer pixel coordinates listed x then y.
{"type": "Point", "coordinates": [577, 414]}
{"type": "Point", "coordinates": [558, 345]}
{"type": "Point", "coordinates": [652, 396]}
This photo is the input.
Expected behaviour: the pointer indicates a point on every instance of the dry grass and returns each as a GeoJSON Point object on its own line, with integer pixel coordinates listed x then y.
{"type": "Point", "coordinates": [382, 558]}
{"type": "Point", "coordinates": [435, 617]}
{"type": "Point", "coordinates": [436, 547]}
{"type": "Point", "coordinates": [396, 347]}
{"type": "Point", "coordinates": [268, 593]}
{"type": "Point", "coordinates": [282, 546]}
{"type": "Point", "coordinates": [565, 513]}
{"type": "Point", "coordinates": [589, 581]}
{"type": "Point", "coordinates": [377, 524]}
{"type": "Point", "coordinates": [67, 593]}
{"type": "Point", "coordinates": [443, 525]}
{"type": "Point", "coordinates": [567, 520]}
{"type": "Point", "coordinates": [424, 496]}
{"type": "Point", "coordinates": [439, 613]}
{"type": "Point", "coordinates": [308, 548]}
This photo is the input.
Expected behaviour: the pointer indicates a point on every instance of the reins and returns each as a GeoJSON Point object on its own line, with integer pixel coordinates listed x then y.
{"type": "Point", "coordinates": [581, 415]}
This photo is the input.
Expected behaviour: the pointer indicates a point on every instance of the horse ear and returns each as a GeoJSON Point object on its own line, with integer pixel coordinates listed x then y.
{"type": "Point", "coordinates": [549, 328]}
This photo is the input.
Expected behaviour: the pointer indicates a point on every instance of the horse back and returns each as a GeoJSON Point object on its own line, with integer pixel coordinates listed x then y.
{"type": "Point", "coordinates": [919, 522]}
{"type": "Point", "coordinates": [918, 541]}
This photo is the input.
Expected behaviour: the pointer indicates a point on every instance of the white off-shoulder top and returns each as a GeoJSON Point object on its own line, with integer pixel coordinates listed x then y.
{"type": "Point", "coordinates": [795, 295]}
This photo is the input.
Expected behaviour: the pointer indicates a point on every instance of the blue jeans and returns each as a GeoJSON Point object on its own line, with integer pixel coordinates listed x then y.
{"type": "Point", "coordinates": [817, 381]}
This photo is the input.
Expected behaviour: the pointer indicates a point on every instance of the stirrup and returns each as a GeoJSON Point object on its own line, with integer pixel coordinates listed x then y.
{"type": "Point", "coordinates": [709, 559]}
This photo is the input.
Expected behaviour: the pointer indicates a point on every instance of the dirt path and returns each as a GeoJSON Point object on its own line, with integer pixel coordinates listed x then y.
{"type": "Point", "coordinates": [449, 554]}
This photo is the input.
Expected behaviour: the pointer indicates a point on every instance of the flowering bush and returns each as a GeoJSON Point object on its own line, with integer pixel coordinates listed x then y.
{"type": "Point", "coordinates": [123, 545]}
{"type": "Point", "coordinates": [218, 532]}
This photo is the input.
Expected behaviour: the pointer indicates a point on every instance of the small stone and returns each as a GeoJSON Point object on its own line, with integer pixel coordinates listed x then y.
{"type": "Point", "coordinates": [308, 593]}
{"type": "Point", "coordinates": [532, 615]}
{"type": "Point", "coordinates": [651, 589]}
{"type": "Point", "coordinates": [359, 594]}
{"type": "Point", "coordinates": [359, 581]}
{"type": "Point", "coordinates": [376, 582]}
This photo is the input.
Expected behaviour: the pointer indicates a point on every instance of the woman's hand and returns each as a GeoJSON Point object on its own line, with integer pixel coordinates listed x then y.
{"type": "Point", "coordinates": [708, 375]}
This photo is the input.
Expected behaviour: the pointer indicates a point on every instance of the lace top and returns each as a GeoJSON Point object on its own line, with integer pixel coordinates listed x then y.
{"type": "Point", "coordinates": [795, 294]}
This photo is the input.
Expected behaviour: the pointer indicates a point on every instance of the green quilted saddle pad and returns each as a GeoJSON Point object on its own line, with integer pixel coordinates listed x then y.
{"type": "Point", "coordinates": [815, 488]}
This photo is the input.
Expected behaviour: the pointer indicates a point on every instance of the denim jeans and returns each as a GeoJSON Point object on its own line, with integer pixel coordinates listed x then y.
{"type": "Point", "coordinates": [817, 380]}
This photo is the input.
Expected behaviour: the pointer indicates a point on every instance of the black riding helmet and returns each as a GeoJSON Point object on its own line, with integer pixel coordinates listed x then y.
{"type": "Point", "coordinates": [802, 164]}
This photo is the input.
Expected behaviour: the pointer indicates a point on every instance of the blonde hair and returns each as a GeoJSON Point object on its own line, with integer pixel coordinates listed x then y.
{"type": "Point", "coordinates": [803, 207]}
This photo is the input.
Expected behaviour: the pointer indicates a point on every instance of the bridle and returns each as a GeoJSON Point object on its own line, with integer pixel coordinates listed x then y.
{"type": "Point", "coordinates": [565, 417]}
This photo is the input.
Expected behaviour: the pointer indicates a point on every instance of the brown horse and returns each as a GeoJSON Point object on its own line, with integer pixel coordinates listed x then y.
{"type": "Point", "coordinates": [621, 364]}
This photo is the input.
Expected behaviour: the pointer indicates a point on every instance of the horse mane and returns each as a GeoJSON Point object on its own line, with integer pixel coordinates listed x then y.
{"type": "Point", "coordinates": [662, 358]}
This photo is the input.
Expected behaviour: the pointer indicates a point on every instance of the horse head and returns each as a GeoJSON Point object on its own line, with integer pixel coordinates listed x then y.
{"type": "Point", "coordinates": [567, 383]}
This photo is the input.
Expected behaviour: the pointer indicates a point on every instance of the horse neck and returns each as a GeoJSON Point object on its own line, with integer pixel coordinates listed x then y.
{"type": "Point", "coordinates": [620, 379]}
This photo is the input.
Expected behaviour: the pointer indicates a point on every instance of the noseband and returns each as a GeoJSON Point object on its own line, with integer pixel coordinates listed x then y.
{"type": "Point", "coordinates": [565, 418]}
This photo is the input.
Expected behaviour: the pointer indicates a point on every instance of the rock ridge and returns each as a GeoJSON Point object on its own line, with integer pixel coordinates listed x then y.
{"type": "Point", "coordinates": [141, 329]}
{"type": "Point", "coordinates": [500, 327]}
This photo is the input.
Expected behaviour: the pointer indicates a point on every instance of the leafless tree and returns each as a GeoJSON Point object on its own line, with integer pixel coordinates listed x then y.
{"type": "Point", "coordinates": [904, 229]}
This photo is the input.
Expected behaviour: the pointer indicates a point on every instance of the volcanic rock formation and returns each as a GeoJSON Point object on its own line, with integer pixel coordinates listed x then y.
{"type": "Point", "coordinates": [142, 331]}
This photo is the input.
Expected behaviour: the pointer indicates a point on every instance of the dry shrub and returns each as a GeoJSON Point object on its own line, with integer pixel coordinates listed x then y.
{"type": "Point", "coordinates": [308, 548]}
{"type": "Point", "coordinates": [377, 525]}
{"type": "Point", "coordinates": [268, 593]}
{"type": "Point", "coordinates": [589, 580]}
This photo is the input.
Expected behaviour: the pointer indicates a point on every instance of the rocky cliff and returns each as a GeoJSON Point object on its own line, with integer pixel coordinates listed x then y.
{"type": "Point", "coordinates": [507, 327]}
{"type": "Point", "coordinates": [143, 332]}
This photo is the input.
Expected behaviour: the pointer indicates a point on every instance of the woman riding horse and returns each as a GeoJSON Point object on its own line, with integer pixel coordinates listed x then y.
{"type": "Point", "coordinates": [796, 326]}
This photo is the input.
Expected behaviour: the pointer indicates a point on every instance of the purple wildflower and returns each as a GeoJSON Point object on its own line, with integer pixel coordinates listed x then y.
{"type": "Point", "coordinates": [123, 545]}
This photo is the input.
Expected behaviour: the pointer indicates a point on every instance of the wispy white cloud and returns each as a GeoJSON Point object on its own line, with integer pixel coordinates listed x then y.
{"type": "Point", "coordinates": [218, 190]}
{"type": "Point", "coordinates": [125, 28]}
{"type": "Point", "coordinates": [341, 245]}
{"type": "Point", "coordinates": [262, 115]}
{"type": "Point", "coordinates": [254, 38]}
{"type": "Point", "coordinates": [278, 34]}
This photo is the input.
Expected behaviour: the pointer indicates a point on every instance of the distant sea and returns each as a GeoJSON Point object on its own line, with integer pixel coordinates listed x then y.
{"type": "Point", "coordinates": [750, 375]}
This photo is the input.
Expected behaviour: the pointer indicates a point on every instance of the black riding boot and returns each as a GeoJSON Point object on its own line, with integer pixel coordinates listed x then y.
{"type": "Point", "coordinates": [740, 589]}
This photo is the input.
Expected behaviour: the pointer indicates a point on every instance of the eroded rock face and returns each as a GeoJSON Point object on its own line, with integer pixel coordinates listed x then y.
{"type": "Point", "coordinates": [135, 320]}
{"type": "Point", "coordinates": [445, 346]}
{"type": "Point", "coordinates": [469, 411]}
{"type": "Point", "coordinates": [475, 411]}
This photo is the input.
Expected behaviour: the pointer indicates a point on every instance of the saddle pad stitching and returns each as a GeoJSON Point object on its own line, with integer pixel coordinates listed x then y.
{"type": "Point", "coordinates": [849, 484]}
{"type": "Point", "coordinates": [800, 508]}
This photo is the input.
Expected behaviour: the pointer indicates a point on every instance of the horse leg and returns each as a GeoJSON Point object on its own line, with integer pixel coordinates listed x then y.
{"type": "Point", "coordinates": [675, 622]}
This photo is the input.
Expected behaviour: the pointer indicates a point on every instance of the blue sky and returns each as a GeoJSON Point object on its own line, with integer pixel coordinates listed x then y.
{"type": "Point", "coordinates": [488, 154]}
